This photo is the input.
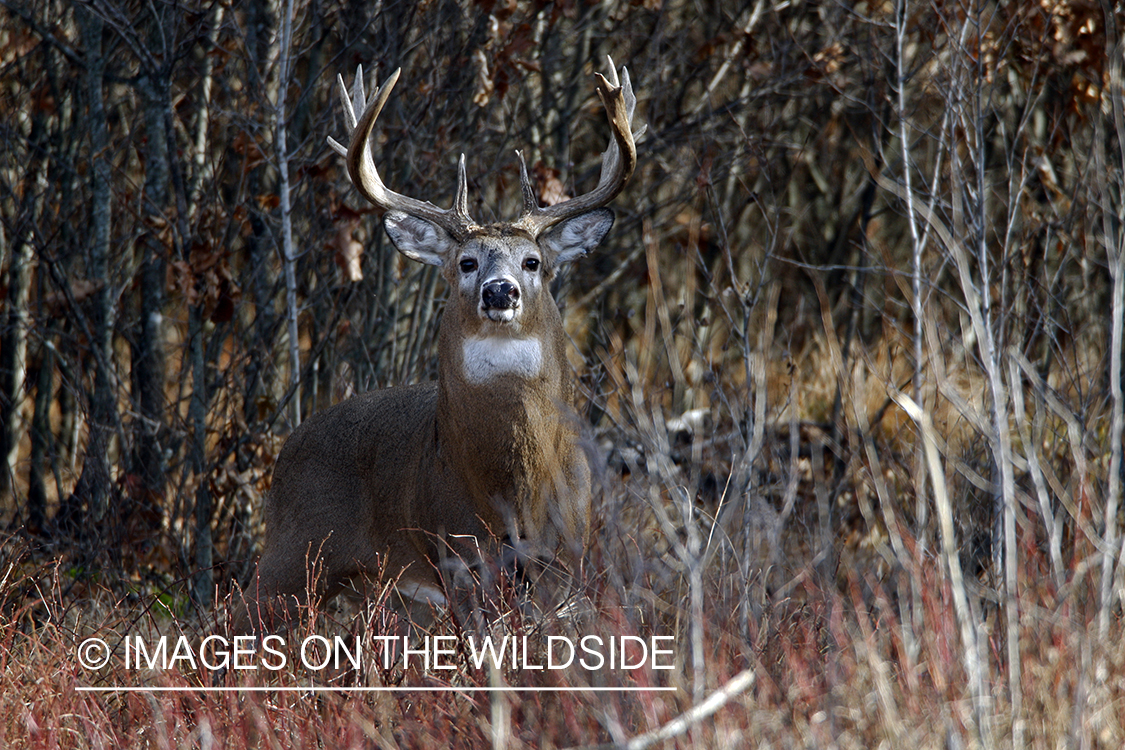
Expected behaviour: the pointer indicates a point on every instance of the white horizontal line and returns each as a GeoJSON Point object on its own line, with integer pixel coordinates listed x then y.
{"type": "Point", "coordinates": [264, 689]}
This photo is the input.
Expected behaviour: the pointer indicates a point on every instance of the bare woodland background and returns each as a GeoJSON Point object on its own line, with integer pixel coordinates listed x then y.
{"type": "Point", "coordinates": [860, 316]}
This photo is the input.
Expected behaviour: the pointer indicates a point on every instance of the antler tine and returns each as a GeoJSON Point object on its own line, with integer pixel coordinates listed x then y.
{"type": "Point", "coordinates": [613, 71]}
{"type": "Point", "coordinates": [530, 204]}
{"type": "Point", "coordinates": [348, 108]}
{"type": "Point", "coordinates": [365, 176]}
{"type": "Point", "coordinates": [618, 160]}
{"type": "Point", "coordinates": [461, 199]}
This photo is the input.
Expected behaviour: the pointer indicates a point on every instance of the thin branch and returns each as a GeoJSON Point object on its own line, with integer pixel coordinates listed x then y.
{"type": "Point", "coordinates": [685, 721]}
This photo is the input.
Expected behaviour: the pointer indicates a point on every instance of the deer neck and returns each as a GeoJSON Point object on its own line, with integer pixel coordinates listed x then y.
{"type": "Point", "coordinates": [502, 386]}
{"type": "Point", "coordinates": [505, 419]}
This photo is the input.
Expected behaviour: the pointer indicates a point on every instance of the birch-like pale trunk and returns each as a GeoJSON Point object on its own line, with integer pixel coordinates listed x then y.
{"type": "Point", "coordinates": [289, 251]}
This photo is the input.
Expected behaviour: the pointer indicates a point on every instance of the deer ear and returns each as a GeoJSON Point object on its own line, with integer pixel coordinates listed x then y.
{"type": "Point", "coordinates": [417, 238]}
{"type": "Point", "coordinates": [574, 238]}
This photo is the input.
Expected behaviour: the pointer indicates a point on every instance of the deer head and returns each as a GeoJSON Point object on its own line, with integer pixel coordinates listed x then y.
{"type": "Point", "coordinates": [501, 262]}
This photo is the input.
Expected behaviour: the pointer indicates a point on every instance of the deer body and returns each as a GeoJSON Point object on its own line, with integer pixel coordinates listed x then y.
{"type": "Point", "coordinates": [395, 480]}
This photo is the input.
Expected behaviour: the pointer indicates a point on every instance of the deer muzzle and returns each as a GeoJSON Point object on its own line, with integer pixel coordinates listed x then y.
{"type": "Point", "coordinates": [499, 299]}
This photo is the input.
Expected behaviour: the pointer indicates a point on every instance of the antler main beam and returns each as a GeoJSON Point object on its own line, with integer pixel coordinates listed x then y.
{"type": "Point", "coordinates": [618, 160]}
{"type": "Point", "coordinates": [365, 176]}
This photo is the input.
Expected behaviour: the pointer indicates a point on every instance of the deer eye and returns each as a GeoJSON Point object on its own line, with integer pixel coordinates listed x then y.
{"type": "Point", "coordinates": [468, 265]}
{"type": "Point", "coordinates": [531, 264]}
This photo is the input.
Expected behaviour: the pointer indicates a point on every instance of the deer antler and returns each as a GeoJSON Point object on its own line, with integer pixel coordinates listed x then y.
{"type": "Point", "coordinates": [364, 175]}
{"type": "Point", "coordinates": [618, 161]}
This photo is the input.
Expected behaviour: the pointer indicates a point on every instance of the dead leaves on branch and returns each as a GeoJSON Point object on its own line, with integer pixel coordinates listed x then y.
{"type": "Point", "coordinates": [245, 146]}
{"type": "Point", "coordinates": [206, 279]}
{"type": "Point", "coordinates": [551, 188]}
{"type": "Point", "coordinates": [347, 251]}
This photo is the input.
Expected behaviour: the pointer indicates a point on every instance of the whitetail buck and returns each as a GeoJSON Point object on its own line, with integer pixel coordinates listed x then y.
{"type": "Point", "coordinates": [396, 479]}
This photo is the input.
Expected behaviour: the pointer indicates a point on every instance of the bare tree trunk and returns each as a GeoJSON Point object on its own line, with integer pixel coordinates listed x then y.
{"type": "Point", "coordinates": [93, 484]}
{"type": "Point", "coordinates": [1115, 259]}
{"type": "Point", "coordinates": [13, 343]}
{"type": "Point", "coordinates": [201, 167]}
{"type": "Point", "coordinates": [289, 251]}
{"type": "Point", "coordinates": [13, 359]}
{"type": "Point", "coordinates": [262, 389]}
{"type": "Point", "coordinates": [148, 350]}
{"type": "Point", "coordinates": [204, 581]}
{"type": "Point", "coordinates": [41, 439]}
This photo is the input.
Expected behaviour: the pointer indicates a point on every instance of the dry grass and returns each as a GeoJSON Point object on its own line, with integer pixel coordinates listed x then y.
{"type": "Point", "coordinates": [831, 668]}
{"type": "Point", "coordinates": [840, 629]}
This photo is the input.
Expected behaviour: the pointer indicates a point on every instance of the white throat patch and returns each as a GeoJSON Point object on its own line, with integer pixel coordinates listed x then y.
{"type": "Point", "coordinates": [484, 359]}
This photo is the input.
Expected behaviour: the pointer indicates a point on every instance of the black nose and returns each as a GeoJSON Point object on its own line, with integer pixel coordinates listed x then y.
{"type": "Point", "coordinates": [500, 295]}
